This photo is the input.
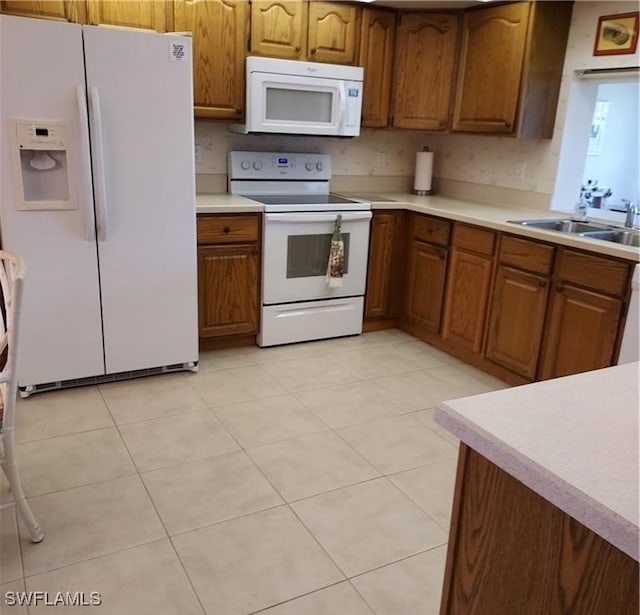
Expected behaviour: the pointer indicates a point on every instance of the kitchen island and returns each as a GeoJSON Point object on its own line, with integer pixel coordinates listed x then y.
{"type": "Point", "coordinates": [545, 512]}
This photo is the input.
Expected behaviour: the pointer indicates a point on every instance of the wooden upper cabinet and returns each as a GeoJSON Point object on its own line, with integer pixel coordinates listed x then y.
{"type": "Point", "coordinates": [333, 32]}
{"type": "Point", "coordinates": [69, 10]}
{"type": "Point", "coordinates": [279, 29]}
{"type": "Point", "coordinates": [377, 42]}
{"type": "Point", "coordinates": [220, 30]}
{"type": "Point", "coordinates": [151, 15]}
{"type": "Point", "coordinates": [510, 67]}
{"type": "Point", "coordinates": [424, 68]}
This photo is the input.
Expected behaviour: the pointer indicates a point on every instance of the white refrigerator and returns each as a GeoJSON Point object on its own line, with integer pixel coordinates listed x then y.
{"type": "Point", "coordinates": [98, 197]}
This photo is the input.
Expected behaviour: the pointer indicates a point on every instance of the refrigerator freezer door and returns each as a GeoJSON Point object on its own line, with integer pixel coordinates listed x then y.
{"type": "Point", "coordinates": [41, 68]}
{"type": "Point", "coordinates": [141, 106]}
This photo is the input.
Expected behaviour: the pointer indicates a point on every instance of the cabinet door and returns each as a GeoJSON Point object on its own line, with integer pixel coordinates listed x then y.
{"type": "Point", "coordinates": [333, 32]}
{"type": "Point", "coordinates": [427, 272]}
{"type": "Point", "coordinates": [490, 70]}
{"type": "Point", "coordinates": [150, 15]}
{"type": "Point", "coordinates": [220, 30]}
{"type": "Point", "coordinates": [377, 41]}
{"type": "Point", "coordinates": [581, 332]}
{"type": "Point", "coordinates": [517, 320]}
{"type": "Point", "coordinates": [379, 274]}
{"type": "Point", "coordinates": [424, 70]}
{"type": "Point", "coordinates": [467, 298]}
{"type": "Point", "coordinates": [279, 29]}
{"type": "Point", "coordinates": [50, 9]}
{"type": "Point", "coordinates": [227, 289]}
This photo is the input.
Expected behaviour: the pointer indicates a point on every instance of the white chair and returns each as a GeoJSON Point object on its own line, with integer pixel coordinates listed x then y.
{"type": "Point", "coordinates": [11, 281]}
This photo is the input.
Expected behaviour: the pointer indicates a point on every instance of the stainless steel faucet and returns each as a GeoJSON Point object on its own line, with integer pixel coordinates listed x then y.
{"type": "Point", "coordinates": [632, 211]}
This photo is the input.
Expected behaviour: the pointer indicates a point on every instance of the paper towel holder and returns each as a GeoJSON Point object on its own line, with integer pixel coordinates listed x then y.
{"type": "Point", "coordinates": [426, 148]}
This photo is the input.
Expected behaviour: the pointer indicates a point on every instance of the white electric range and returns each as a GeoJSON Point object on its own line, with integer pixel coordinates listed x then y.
{"type": "Point", "coordinates": [297, 304]}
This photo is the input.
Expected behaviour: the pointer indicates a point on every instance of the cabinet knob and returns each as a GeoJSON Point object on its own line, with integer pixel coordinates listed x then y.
{"type": "Point", "coordinates": [226, 229]}
{"type": "Point", "coordinates": [442, 254]}
{"type": "Point", "coordinates": [542, 283]}
{"type": "Point", "coordinates": [560, 287]}
{"type": "Point", "coordinates": [313, 51]}
{"type": "Point", "coordinates": [297, 48]}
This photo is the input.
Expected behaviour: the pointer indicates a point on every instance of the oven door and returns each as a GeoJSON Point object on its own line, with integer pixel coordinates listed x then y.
{"type": "Point", "coordinates": [296, 253]}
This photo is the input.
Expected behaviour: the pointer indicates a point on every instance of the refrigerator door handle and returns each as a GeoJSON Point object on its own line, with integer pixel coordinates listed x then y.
{"type": "Point", "coordinates": [99, 178]}
{"type": "Point", "coordinates": [87, 193]}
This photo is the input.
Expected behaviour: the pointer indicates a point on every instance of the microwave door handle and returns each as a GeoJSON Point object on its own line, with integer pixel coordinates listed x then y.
{"type": "Point", "coordinates": [341, 104]}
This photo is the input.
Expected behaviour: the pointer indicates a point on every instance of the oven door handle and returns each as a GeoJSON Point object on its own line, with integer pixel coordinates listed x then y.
{"type": "Point", "coordinates": [317, 217]}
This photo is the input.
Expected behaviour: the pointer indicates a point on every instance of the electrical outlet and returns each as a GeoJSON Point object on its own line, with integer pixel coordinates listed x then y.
{"type": "Point", "coordinates": [520, 169]}
{"type": "Point", "coordinates": [382, 159]}
{"type": "Point", "coordinates": [197, 154]}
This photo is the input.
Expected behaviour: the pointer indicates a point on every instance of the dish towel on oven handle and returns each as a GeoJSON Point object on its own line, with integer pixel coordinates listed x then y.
{"type": "Point", "coordinates": [335, 266]}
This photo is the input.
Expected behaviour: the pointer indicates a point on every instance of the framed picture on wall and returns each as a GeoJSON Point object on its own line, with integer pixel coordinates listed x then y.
{"type": "Point", "coordinates": [616, 34]}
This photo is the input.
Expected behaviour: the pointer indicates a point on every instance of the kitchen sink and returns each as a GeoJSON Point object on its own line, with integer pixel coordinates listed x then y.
{"type": "Point", "coordinates": [591, 230]}
{"type": "Point", "coordinates": [626, 238]}
{"type": "Point", "coordinates": [563, 226]}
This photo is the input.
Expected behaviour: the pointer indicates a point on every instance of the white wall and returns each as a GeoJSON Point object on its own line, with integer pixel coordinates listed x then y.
{"type": "Point", "coordinates": [616, 166]}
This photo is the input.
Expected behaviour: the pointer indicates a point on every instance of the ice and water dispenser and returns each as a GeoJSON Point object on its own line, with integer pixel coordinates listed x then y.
{"type": "Point", "coordinates": [42, 165]}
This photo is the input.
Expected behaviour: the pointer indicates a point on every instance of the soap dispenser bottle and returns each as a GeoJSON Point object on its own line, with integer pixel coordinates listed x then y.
{"type": "Point", "coordinates": [580, 208]}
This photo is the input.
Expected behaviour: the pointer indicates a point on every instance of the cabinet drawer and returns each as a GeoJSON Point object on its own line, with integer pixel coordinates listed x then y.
{"type": "Point", "coordinates": [431, 230]}
{"type": "Point", "coordinates": [528, 255]}
{"type": "Point", "coordinates": [227, 229]}
{"type": "Point", "coordinates": [474, 239]}
{"type": "Point", "coordinates": [594, 272]}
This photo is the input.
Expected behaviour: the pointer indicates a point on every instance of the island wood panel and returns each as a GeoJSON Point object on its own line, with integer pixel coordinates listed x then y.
{"type": "Point", "coordinates": [220, 31]}
{"type": "Point", "coordinates": [377, 41]}
{"type": "Point", "coordinates": [333, 34]}
{"type": "Point", "coordinates": [581, 331]}
{"type": "Point", "coordinates": [150, 15]}
{"type": "Point", "coordinates": [467, 298]}
{"type": "Point", "coordinates": [491, 62]}
{"type": "Point", "coordinates": [279, 29]}
{"type": "Point", "coordinates": [511, 551]}
{"type": "Point", "coordinates": [227, 289]}
{"type": "Point", "coordinates": [517, 319]}
{"type": "Point", "coordinates": [426, 279]}
{"type": "Point", "coordinates": [424, 70]}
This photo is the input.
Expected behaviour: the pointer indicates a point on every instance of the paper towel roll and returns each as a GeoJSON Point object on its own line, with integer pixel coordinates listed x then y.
{"type": "Point", "coordinates": [424, 168]}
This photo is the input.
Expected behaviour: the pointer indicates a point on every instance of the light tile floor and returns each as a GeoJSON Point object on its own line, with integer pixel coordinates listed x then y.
{"type": "Point", "coordinates": [301, 480]}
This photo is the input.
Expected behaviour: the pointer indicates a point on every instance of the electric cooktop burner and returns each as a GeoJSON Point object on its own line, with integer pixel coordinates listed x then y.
{"type": "Point", "coordinates": [301, 199]}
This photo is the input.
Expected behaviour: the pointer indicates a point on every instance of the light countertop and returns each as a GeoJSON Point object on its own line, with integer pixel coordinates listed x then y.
{"type": "Point", "coordinates": [482, 214]}
{"type": "Point", "coordinates": [572, 440]}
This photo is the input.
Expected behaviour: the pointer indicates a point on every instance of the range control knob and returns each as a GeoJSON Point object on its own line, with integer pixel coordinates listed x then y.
{"type": "Point", "coordinates": [257, 165]}
{"type": "Point", "coordinates": [244, 165]}
{"type": "Point", "coordinates": [309, 166]}
{"type": "Point", "coordinates": [319, 166]}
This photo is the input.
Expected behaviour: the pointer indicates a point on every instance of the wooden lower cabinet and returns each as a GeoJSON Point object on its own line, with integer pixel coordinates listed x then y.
{"type": "Point", "coordinates": [467, 299]}
{"type": "Point", "coordinates": [426, 278]}
{"type": "Point", "coordinates": [513, 552]}
{"type": "Point", "coordinates": [581, 331]}
{"type": "Point", "coordinates": [227, 290]}
{"type": "Point", "coordinates": [517, 318]}
{"type": "Point", "coordinates": [385, 271]}
{"type": "Point", "coordinates": [228, 279]}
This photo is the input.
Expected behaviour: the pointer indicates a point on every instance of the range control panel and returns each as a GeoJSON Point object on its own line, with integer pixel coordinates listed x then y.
{"type": "Point", "coordinates": [279, 165]}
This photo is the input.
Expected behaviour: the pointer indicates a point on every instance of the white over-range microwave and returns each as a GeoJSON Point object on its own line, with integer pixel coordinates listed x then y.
{"type": "Point", "coordinates": [304, 98]}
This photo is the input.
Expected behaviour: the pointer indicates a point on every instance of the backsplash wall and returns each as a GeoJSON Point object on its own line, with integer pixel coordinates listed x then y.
{"type": "Point", "coordinates": [374, 152]}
